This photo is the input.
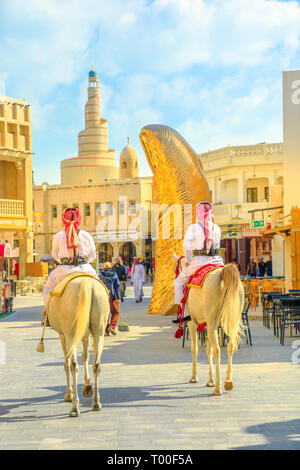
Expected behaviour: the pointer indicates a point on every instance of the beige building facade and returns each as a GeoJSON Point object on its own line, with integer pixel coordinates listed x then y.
{"type": "Point", "coordinates": [246, 184]}
{"type": "Point", "coordinates": [291, 142]}
{"type": "Point", "coordinates": [16, 179]}
{"type": "Point", "coordinates": [111, 212]}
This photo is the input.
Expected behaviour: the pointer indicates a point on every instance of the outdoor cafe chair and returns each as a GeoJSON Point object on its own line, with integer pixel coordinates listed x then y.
{"type": "Point", "coordinates": [289, 316]}
{"type": "Point", "coordinates": [277, 311]}
{"type": "Point", "coordinates": [201, 334]}
{"type": "Point", "coordinates": [245, 322]}
{"type": "Point", "coordinates": [254, 294]}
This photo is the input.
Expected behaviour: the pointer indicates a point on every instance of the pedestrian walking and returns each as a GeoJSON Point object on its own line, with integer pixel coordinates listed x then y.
{"type": "Point", "coordinates": [121, 271]}
{"type": "Point", "coordinates": [138, 280]}
{"type": "Point", "coordinates": [252, 268]}
{"type": "Point", "coordinates": [269, 266]}
{"type": "Point", "coordinates": [111, 281]}
{"type": "Point", "coordinates": [262, 267]}
{"type": "Point", "coordinates": [148, 269]}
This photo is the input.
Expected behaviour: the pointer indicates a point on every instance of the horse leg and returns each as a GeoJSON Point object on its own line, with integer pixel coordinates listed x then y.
{"type": "Point", "coordinates": [69, 393]}
{"type": "Point", "coordinates": [210, 382]}
{"type": "Point", "coordinates": [213, 338]}
{"type": "Point", "coordinates": [194, 349]}
{"type": "Point", "coordinates": [228, 385]}
{"type": "Point", "coordinates": [87, 388]}
{"type": "Point", "coordinates": [98, 347]}
{"type": "Point", "coordinates": [74, 369]}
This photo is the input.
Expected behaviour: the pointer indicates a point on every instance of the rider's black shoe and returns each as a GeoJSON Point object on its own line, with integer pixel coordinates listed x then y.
{"type": "Point", "coordinates": [187, 318]}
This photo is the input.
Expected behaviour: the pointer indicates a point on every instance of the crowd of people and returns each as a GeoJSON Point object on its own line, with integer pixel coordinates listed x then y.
{"type": "Point", "coordinates": [259, 267]}
{"type": "Point", "coordinates": [115, 278]}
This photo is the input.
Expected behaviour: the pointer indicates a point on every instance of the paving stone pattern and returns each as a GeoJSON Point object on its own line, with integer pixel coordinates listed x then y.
{"type": "Point", "coordinates": [148, 402]}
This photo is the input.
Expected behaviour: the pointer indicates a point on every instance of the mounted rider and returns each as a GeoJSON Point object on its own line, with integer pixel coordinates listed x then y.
{"type": "Point", "coordinates": [73, 249]}
{"type": "Point", "coordinates": [201, 245]}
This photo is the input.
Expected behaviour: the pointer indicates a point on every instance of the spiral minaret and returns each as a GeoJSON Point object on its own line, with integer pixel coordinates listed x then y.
{"type": "Point", "coordinates": [95, 162]}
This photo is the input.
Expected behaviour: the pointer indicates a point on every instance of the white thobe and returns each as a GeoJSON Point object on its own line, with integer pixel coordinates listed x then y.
{"type": "Point", "coordinates": [60, 250]}
{"type": "Point", "coordinates": [194, 240]}
{"type": "Point", "coordinates": [138, 278]}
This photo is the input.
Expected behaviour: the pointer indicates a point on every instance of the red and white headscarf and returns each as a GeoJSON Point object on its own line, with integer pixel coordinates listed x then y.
{"type": "Point", "coordinates": [71, 219]}
{"type": "Point", "coordinates": [204, 216]}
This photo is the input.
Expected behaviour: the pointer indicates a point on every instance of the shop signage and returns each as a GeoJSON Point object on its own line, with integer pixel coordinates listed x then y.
{"type": "Point", "coordinates": [258, 223]}
{"type": "Point", "coordinates": [248, 231]}
{"type": "Point", "coordinates": [14, 224]}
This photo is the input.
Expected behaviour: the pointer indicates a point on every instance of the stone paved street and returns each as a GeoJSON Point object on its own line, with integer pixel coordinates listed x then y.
{"type": "Point", "coordinates": [148, 402]}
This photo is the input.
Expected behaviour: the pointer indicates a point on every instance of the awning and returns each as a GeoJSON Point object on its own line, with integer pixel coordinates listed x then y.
{"type": "Point", "coordinates": [284, 231]}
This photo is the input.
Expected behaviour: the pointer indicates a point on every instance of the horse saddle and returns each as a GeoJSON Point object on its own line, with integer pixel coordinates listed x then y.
{"type": "Point", "coordinates": [61, 285]}
{"type": "Point", "coordinates": [196, 280]}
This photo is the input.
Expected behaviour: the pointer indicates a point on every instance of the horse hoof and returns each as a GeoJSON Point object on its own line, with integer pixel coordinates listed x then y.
{"type": "Point", "coordinates": [194, 380]}
{"type": "Point", "coordinates": [210, 383]}
{"type": "Point", "coordinates": [97, 407]}
{"type": "Point", "coordinates": [68, 397]}
{"type": "Point", "coordinates": [228, 385]}
{"type": "Point", "coordinates": [74, 413]}
{"type": "Point", "coordinates": [87, 390]}
{"type": "Point", "coordinates": [217, 393]}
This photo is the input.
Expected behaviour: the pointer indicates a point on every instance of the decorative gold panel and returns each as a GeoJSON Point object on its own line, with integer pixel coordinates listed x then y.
{"type": "Point", "coordinates": [178, 178]}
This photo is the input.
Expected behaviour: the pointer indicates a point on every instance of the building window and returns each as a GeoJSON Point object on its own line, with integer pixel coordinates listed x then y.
{"type": "Point", "coordinates": [267, 193]}
{"type": "Point", "coordinates": [109, 208]}
{"type": "Point", "coordinates": [98, 209]}
{"type": "Point", "coordinates": [132, 207]}
{"type": "Point", "coordinates": [124, 165]}
{"type": "Point", "coordinates": [251, 194]}
{"type": "Point", "coordinates": [86, 210]}
{"type": "Point", "coordinates": [54, 212]}
{"type": "Point", "coordinates": [121, 207]}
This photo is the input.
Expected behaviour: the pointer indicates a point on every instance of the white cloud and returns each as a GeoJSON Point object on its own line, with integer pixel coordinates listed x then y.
{"type": "Point", "coordinates": [191, 64]}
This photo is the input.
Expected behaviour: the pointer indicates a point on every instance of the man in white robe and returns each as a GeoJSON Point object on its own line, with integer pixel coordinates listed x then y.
{"type": "Point", "coordinates": [201, 246]}
{"type": "Point", "coordinates": [73, 249]}
{"type": "Point", "coordinates": [138, 279]}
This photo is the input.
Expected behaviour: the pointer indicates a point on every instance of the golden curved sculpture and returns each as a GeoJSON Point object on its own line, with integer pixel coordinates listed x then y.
{"type": "Point", "coordinates": [178, 178]}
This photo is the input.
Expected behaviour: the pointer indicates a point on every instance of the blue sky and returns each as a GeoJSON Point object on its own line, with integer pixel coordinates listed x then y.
{"type": "Point", "coordinates": [210, 69]}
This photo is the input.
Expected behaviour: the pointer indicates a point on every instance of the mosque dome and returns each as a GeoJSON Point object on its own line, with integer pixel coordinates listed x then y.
{"type": "Point", "coordinates": [92, 73]}
{"type": "Point", "coordinates": [129, 167]}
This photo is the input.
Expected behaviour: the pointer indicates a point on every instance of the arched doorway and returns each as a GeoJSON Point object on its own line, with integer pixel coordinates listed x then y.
{"type": "Point", "coordinates": [105, 252]}
{"type": "Point", "coordinates": [128, 252]}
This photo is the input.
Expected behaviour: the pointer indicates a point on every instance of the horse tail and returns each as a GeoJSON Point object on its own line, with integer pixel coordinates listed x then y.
{"type": "Point", "coordinates": [81, 319]}
{"type": "Point", "coordinates": [230, 308]}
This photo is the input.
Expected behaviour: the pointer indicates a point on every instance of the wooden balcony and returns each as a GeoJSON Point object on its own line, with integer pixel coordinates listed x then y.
{"type": "Point", "coordinates": [11, 208]}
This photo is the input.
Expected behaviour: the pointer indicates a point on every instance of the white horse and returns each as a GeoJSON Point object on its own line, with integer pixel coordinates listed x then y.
{"type": "Point", "coordinates": [82, 310]}
{"type": "Point", "coordinates": [219, 301]}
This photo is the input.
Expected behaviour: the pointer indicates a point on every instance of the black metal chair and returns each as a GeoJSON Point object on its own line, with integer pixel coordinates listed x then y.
{"type": "Point", "coordinates": [289, 315]}
{"type": "Point", "coordinates": [271, 311]}
{"type": "Point", "coordinates": [264, 301]}
{"type": "Point", "coordinates": [245, 322]}
{"type": "Point", "coordinates": [201, 334]}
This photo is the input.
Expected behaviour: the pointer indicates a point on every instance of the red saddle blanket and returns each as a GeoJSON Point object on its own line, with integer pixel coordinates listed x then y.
{"type": "Point", "coordinates": [195, 280]}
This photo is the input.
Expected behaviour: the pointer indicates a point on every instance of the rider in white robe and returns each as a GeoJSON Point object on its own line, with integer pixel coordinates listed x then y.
{"type": "Point", "coordinates": [85, 249]}
{"type": "Point", "coordinates": [204, 237]}
{"type": "Point", "coordinates": [194, 240]}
